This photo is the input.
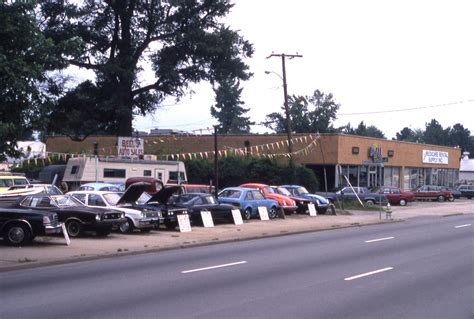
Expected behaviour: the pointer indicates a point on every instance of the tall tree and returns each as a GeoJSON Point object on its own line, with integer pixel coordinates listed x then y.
{"type": "Point", "coordinates": [362, 130]}
{"type": "Point", "coordinates": [435, 134]}
{"type": "Point", "coordinates": [308, 114]}
{"type": "Point", "coordinates": [406, 134]}
{"type": "Point", "coordinates": [181, 42]}
{"type": "Point", "coordinates": [25, 57]}
{"type": "Point", "coordinates": [229, 110]}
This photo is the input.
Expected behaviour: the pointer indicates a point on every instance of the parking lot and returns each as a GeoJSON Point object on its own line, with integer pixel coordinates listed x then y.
{"type": "Point", "coordinates": [53, 250]}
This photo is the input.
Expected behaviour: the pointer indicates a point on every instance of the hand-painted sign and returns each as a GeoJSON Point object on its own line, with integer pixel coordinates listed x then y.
{"type": "Point", "coordinates": [207, 218]}
{"type": "Point", "coordinates": [130, 147]}
{"type": "Point", "coordinates": [237, 217]}
{"type": "Point", "coordinates": [263, 212]}
{"type": "Point", "coordinates": [184, 223]}
{"type": "Point", "coordinates": [435, 157]}
{"type": "Point", "coordinates": [312, 210]}
{"type": "Point", "coordinates": [375, 153]}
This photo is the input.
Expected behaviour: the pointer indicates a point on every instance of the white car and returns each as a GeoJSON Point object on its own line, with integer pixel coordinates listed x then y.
{"type": "Point", "coordinates": [143, 219]}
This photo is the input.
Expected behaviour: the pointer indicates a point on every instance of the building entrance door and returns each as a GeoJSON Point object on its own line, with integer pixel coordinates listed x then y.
{"type": "Point", "coordinates": [372, 182]}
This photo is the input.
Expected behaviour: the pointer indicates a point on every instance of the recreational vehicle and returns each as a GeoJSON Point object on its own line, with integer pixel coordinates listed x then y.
{"type": "Point", "coordinates": [80, 170]}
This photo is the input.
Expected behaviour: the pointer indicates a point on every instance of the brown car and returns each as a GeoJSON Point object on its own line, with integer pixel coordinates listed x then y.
{"type": "Point", "coordinates": [395, 195]}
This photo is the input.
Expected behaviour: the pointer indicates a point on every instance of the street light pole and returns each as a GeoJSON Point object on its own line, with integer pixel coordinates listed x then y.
{"type": "Point", "coordinates": [285, 99]}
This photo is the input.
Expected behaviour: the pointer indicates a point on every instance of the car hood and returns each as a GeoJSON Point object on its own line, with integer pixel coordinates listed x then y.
{"type": "Point", "coordinates": [164, 194]}
{"type": "Point", "coordinates": [133, 193]}
{"type": "Point", "coordinates": [321, 199]}
{"type": "Point", "coordinates": [277, 197]}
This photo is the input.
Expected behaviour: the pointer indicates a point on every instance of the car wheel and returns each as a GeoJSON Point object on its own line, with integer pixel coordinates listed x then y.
{"type": "Point", "coordinates": [17, 235]}
{"type": "Point", "coordinates": [126, 227]}
{"type": "Point", "coordinates": [403, 202]}
{"type": "Point", "coordinates": [272, 212]}
{"type": "Point", "coordinates": [440, 198]}
{"type": "Point", "coordinates": [247, 214]}
{"type": "Point", "coordinates": [370, 203]}
{"type": "Point", "coordinates": [451, 199]}
{"type": "Point", "coordinates": [74, 228]}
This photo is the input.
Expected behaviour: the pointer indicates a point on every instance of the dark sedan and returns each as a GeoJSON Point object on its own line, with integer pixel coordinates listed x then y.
{"type": "Point", "coordinates": [197, 202]}
{"type": "Point", "coordinates": [77, 217]}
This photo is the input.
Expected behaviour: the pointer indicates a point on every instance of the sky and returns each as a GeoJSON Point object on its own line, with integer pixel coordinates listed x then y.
{"type": "Point", "coordinates": [373, 56]}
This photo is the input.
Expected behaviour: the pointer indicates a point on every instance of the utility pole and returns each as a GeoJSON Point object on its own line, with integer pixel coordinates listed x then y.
{"type": "Point", "coordinates": [285, 93]}
{"type": "Point", "coordinates": [216, 171]}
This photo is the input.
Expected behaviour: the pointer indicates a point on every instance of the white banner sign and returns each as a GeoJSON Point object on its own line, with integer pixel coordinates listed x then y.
{"type": "Point", "coordinates": [207, 218]}
{"type": "Point", "coordinates": [435, 157]}
{"type": "Point", "coordinates": [66, 235]}
{"type": "Point", "coordinates": [131, 147]}
{"type": "Point", "coordinates": [312, 210]}
{"type": "Point", "coordinates": [184, 224]}
{"type": "Point", "coordinates": [263, 212]}
{"type": "Point", "coordinates": [237, 217]}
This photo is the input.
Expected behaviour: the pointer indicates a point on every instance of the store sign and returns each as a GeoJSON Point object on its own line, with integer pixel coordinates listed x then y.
{"type": "Point", "coordinates": [375, 153]}
{"type": "Point", "coordinates": [435, 157]}
{"type": "Point", "coordinates": [130, 147]}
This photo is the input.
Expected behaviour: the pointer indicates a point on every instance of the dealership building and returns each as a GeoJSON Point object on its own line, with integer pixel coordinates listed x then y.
{"type": "Point", "coordinates": [335, 158]}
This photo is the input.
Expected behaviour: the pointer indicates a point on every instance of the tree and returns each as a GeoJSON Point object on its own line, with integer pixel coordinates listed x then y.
{"type": "Point", "coordinates": [435, 134]}
{"type": "Point", "coordinates": [181, 42]}
{"type": "Point", "coordinates": [406, 134]}
{"type": "Point", "coordinates": [362, 130]}
{"type": "Point", "coordinates": [459, 136]}
{"type": "Point", "coordinates": [228, 109]}
{"type": "Point", "coordinates": [308, 114]}
{"type": "Point", "coordinates": [25, 57]}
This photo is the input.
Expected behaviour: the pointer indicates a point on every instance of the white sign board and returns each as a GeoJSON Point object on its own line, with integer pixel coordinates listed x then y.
{"type": "Point", "coordinates": [312, 210]}
{"type": "Point", "coordinates": [263, 212]}
{"type": "Point", "coordinates": [237, 217]}
{"type": "Point", "coordinates": [184, 224]}
{"type": "Point", "coordinates": [130, 147]}
{"type": "Point", "coordinates": [207, 218]}
{"type": "Point", "coordinates": [66, 235]}
{"type": "Point", "coordinates": [435, 157]}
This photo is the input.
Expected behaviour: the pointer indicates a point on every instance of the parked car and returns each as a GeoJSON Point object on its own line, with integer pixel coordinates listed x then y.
{"type": "Point", "coordinates": [197, 202]}
{"type": "Point", "coordinates": [466, 191]}
{"type": "Point", "coordinates": [320, 202]}
{"type": "Point", "coordinates": [144, 219]}
{"type": "Point", "coordinates": [395, 195]}
{"type": "Point", "coordinates": [248, 200]}
{"type": "Point", "coordinates": [154, 184]}
{"type": "Point", "coordinates": [365, 195]}
{"type": "Point", "coordinates": [20, 226]}
{"type": "Point", "coordinates": [6, 181]}
{"type": "Point", "coordinates": [301, 203]}
{"type": "Point", "coordinates": [432, 192]}
{"type": "Point", "coordinates": [99, 187]}
{"type": "Point", "coordinates": [286, 203]}
{"type": "Point", "coordinates": [77, 217]}
{"type": "Point", "coordinates": [456, 193]}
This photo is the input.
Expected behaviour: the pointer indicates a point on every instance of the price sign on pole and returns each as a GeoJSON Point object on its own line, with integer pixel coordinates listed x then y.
{"type": "Point", "coordinates": [207, 218]}
{"type": "Point", "coordinates": [237, 217]}
{"type": "Point", "coordinates": [184, 224]}
{"type": "Point", "coordinates": [263, 212]}
{"type": "Point", "coordinates": [312, 210]}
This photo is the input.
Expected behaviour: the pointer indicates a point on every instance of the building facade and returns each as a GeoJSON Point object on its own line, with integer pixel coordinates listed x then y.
{"type": "Point", "coordinates": [335, 158]}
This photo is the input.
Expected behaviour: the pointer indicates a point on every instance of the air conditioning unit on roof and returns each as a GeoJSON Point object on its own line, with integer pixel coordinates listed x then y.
{"type": "Point", "coordinates": [150, 157]}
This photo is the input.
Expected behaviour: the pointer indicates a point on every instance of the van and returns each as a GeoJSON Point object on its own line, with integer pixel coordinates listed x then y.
{"type": "Point", "coordinates": [6, 181]}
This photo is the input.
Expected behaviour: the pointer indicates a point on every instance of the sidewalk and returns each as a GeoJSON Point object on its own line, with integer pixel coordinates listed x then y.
{"type": "Point", "coordinates": [53, 250]}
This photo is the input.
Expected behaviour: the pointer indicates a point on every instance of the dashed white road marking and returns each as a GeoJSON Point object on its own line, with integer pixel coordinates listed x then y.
{"type": "Point", "coordinates": [461, 226]}
{"type": "Point", "coordinates": [368, 273]}
{"type": "Point", "coordinates": [214, 267]}
{"type": "Point", "coordinates": [379, 239]}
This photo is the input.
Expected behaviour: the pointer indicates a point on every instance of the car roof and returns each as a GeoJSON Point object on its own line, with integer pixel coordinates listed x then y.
{"type": "Point", "coordinates": [240, 188]}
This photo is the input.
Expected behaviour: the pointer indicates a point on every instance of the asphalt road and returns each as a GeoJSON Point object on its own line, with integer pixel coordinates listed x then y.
{"type": "Point", "coordinates": [421, 268]}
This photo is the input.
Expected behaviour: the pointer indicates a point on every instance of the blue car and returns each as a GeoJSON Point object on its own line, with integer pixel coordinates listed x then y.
{"type": "Point", "coordinates": [248, 200]}
{"type": "Point", "coordinates": [320, 202]}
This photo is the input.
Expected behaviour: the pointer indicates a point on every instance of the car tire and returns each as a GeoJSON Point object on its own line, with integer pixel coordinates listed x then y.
{"type": "Point", "coordinates": [369, 203]}
{"type": "Point", "coordinates": [74, 228]}
{"type": "Point", "coordinates": [126, 227]}
{"type": "Point", "coordinates": [440, 198]}
{"type": "Point", "coordinates": [247, 213]}
{"type": "Point", "coordinates": [272, 212]}
{"type": "Point", "coordinates": [451, 199]}
{"type": "Point", "coordinates": [403, 202]}
{"type": "Point", "coordinates": [17, 235]}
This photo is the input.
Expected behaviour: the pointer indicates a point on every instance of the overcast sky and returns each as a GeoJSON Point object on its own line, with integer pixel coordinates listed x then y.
{"type": "Point", "coordinates": [373, 56]}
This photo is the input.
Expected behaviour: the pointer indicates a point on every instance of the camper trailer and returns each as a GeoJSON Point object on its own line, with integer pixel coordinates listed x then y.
{"type": "Point", "coordinates": [80, 170]}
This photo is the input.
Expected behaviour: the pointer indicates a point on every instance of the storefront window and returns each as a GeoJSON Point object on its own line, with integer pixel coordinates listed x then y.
{"type": "Point", "coordinates": [363, 176]}
{"type": "Point", "coordinates": [353, 175]}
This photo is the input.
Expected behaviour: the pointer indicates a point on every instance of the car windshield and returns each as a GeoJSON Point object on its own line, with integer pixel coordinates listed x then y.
{"type": "Point", "coordinates": [65, 201]}
{"type": "Point", "coordinates": [301, 190]}
{"type": "Point", "coordinates": [283, 191]}
{"type": "Point", "coordinates": [269, 190]}
{"type": "Point", "coordinates": [112, 198]}
{"type": "Point", "coordinates": [211, 200]}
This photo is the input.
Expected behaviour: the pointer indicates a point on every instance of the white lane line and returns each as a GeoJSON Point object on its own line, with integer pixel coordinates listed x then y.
{"type": "Point", "coordinates": [379, 239]}
{"type": "Point", "coordinates": [214, 267]}
{"type": "Point", "coordinates": [461, 226]}
{"type": "Point", "coordinates": [368, 273]}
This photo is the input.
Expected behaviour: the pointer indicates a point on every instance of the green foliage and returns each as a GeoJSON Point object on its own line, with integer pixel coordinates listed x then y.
{"type": "Point", "coordinates": [182, 42]}
{"type": "Point", "coordinates": [228, 109]}
{"type": "Point", "coordinates": [362, 130]}
{"type": "Point", "coordinates": [309, 114]}
{"type": "Point", "coordinates": [234, 171]}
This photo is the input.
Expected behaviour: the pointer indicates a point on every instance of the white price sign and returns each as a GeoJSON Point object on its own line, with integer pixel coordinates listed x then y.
{"type": "Point", "coordinates": [263, 212]}
{"type": "Point", "coordinates": [207, 218]}
{"type": "Point", "coordinates": [237, 217]}
{"type": "Point", "coordinates": [184, 224]}
{"type": "Point", "coordinates": [66, 235]}
{"type": "Point", "coordinates": [312, 210]}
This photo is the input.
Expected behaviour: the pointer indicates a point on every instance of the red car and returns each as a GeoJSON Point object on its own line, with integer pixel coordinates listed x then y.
{"type": "Point", "coordinates": [395, 195]}
{"type": "Point", "coordinates": [433, 192]}
{"type": "Point", "coordinates": [288, 205]}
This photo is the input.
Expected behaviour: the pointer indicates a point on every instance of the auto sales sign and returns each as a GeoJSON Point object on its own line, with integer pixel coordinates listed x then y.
{"type": "Point", "coordinates": [130, 147]}
{"type": "Point", "coordinates": [435, 157]}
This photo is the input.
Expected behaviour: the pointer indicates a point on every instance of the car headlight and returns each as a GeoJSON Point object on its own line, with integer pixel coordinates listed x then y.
{"type": "Point", "coordinates": [97, 217]}
{"type": "Point", "coordinates": [143, 214]}
{"type": "Point", "coordinates": [46, 220]}
{"type": "Point", "coordinates": [123, 215]}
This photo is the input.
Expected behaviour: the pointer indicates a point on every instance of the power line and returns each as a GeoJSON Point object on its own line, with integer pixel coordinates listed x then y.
{"type": "Point", "coordinates": [407, 109]}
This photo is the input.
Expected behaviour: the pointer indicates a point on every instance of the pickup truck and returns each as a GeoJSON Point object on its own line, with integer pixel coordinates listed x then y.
{"type": "Point", "coordinates": [348, 193]}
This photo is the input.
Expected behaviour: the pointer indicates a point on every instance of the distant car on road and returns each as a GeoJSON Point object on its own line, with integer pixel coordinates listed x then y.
{"type": "Point", "coordinates": [466, 191]}
{"type": "Point", "coordinates": [432, 192]}
{"type": "Point", "coordinates": [395, 195]}
{"type": "Point", "coordinates": [20, 226]}
{"type": "Point", "coordinates": [248, 200]}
